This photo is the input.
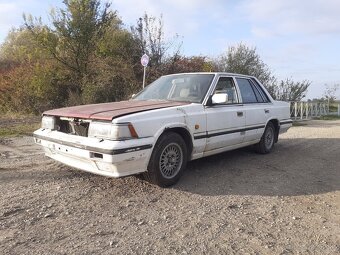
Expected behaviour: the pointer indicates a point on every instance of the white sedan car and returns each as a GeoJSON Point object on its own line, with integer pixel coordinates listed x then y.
{"type": "Point", "coordinates": [175, 119]}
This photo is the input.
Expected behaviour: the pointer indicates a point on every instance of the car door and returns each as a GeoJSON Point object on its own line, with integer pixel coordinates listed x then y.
{"type": "Point", "coordinates": [226, 120]}
{"type": "Point", "coordinates": [255, 106]}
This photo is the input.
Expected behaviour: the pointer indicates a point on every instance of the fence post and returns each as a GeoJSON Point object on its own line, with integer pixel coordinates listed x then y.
{"type": "Point", "coordinates": [311, 109]}
{"type": "Point", "coordinates": [307, 111]}
{"type": "Point", "coordinates": [295, 110]}
{"type": "Point", "coordinates": [327, 110]}
{"type": "Point", "coordinates": [318, 109]}
{"type": "Point", "coordinates": [315, 110]}
{"type": "Point", "coordinates": [324, 109]}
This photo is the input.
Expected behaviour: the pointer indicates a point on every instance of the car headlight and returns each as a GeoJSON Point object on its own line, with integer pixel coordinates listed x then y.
{"type": "Point", "coordinates": [48, 122]}
{"type": "Point", "coordinates": [112, 131]}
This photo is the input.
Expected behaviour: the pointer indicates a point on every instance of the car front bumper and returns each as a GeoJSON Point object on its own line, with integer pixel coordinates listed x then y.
{"type": "Point", "coordinates": [98, 156]}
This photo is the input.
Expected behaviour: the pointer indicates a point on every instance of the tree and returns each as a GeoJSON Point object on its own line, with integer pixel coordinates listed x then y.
{"type": "Point", "coordinates": [149, 36]}
{"type": "Point", "coordinates": [83, 56]}
{"type": "Point", "coordinates": [86, 38]}
{"type": "Point", "coordinates": [30, 81]}
{"type": "Point", "coordinates": [330, 92]}
{"type": "Point", "coordinates": [182, 64]}
{"type": "Point", "coordinates": [245, 60]}
{"type": "Point", "coordinates": [33, 88]}
{"type": "Point", "coordinates": [75, 32]}
{"type": "Point", "coordinates": [21, 47]}
{"type": "Point", "coordinates": [289, 90]}
{"type": "Point", "coordinates": [149, 33]}
{"type": "Point", "coordinates": [114, 77]}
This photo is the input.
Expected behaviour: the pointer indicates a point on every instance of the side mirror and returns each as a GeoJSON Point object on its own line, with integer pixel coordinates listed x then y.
{"type": "Point", "coordinates": [221, 98]}
{"type": "Point", "coordinates": [133, 95]}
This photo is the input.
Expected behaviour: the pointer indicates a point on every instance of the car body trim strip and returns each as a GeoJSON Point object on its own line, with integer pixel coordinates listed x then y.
{"type": "Point", "coordinates": [228, 132]}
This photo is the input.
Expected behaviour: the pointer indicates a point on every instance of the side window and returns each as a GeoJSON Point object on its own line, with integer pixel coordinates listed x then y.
{"type": "Point", "coordinates": [247, 92]}
{"type": "Point", "coordinates": [257, 93]}
{"type": "Point", "coordinates": [226, 85]}
{"type": "Point", "coordinates": [260, 89]}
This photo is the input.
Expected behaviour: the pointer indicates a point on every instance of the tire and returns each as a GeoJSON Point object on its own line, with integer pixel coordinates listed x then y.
{"type": "Point", "coordinates": [267, 141]}
{"type": "Point", "coordinates": [168, 160]}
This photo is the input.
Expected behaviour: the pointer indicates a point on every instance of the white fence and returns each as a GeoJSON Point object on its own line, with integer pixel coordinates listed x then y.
{"type": "Point", "coordinates": [306, 110]}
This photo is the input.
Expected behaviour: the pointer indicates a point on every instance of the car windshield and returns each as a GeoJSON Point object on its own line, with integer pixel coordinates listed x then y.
{"type": "Point", "coordinates": [178, 87]}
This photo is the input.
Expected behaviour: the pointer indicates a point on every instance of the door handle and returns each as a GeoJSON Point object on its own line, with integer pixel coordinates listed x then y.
{"type": "Point", "coordinates": [239, 114]}
{"type": "Point", "coordinates": [266, 111]}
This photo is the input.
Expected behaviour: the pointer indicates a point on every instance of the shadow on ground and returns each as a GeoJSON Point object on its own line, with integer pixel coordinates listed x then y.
{"type": "Point", "coordinates": [295, 167]}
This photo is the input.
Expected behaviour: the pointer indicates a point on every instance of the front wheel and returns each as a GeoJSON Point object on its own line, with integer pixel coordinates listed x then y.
{"type": "Point", "coordinates": [168, 160]}
{"type": "Point", "coordinates": [267, 141]}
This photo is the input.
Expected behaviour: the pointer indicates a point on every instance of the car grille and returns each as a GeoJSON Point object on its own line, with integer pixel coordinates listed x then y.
{"type": "Point", "coordinates": [73, 126]}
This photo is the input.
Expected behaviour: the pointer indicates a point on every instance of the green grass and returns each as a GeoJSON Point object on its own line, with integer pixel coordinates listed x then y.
{"type": "Point", "coordinates": [19, 129]}
{"type": "Point", "coordinates": [17, 115]}
{"type": "Point", "coordinates": [328, 117]}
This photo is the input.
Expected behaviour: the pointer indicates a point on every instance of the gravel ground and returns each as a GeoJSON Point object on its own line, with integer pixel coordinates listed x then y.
{"type": "Point", "coordinates": [239, 202]}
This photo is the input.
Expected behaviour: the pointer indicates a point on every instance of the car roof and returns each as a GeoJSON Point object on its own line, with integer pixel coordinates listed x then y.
{"type": "Point", "coordinates": [215, 73]}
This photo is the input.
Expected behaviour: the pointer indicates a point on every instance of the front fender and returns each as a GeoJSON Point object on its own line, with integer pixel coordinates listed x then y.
{"type": "Point", "coordinates": [165, 128]}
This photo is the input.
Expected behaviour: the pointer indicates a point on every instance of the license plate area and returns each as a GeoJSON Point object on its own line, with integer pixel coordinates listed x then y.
{"type": "Point", "coordinates": [67, 150]}
{"type": "Point", "coordinates": [62, 148]}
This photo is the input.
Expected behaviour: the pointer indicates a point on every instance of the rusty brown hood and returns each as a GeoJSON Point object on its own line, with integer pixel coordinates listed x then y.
{"type": "Point", "coordinates": [108, 111]}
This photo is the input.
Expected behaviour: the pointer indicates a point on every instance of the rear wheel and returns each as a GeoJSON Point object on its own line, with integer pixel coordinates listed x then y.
{"type": "Point", "coordinates": [168, 160]}
{"type": "Point", "coordinates": [267, 141]}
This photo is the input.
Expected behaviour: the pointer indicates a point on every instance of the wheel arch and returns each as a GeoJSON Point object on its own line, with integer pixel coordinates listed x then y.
{"type": "Point", "coordinates": [183, 131]}
{"type": "Point", "coordinates": [185, 134]}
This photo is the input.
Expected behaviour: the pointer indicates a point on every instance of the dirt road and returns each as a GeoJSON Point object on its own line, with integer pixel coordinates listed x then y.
{"type": "Point", "coordinates": [239, 202]}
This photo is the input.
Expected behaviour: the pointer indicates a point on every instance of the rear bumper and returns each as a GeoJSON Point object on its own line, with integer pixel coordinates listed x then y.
{"type": "Point", "coordinates": [285, 125]}
{"type": "Point", "coordinates": [103, 157]}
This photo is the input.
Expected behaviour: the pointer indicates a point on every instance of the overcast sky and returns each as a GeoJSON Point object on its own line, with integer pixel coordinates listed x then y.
{"type": "Point", "coordinates": [298, 39]}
